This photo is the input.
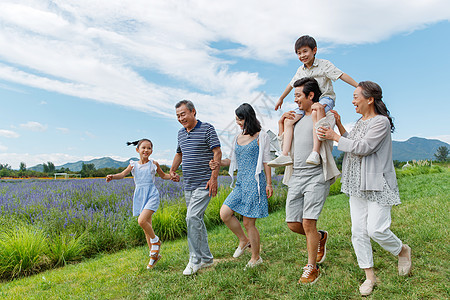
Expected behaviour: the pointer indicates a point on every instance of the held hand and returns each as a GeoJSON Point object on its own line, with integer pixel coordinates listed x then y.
{"type": "Point", "coordinates": [326, 133]}
{"type": "Point", "coordinates": [109, 178]}
{"type": "Point", "coordinates": [317, 106]}
{"type": "Point", "coordinates": [214, 164]}
{"type": "Point", "coordinates": [337, 117]}
{"type": "Point", "coordinates": [269, 190]}
{"type": "Point", "coordinates": [287, 115]}
{"type": "Point", "coordinates": [279, 103]}
{"type": "Point", "coordinates": [174, 176]}
{"type": "Point", "coordinates": [212, 186]}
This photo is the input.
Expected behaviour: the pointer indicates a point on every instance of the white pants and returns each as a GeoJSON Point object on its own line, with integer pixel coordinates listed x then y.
{"type": "Point", "coordinates": [371, 220]}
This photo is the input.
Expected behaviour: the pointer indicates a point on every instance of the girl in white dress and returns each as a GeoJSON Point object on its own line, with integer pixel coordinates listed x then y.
{"type": "Point", "coordinates": [146, 196]}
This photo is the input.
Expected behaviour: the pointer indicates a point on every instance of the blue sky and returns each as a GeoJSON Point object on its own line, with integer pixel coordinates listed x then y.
{"type": "Point", "coordinates": [80, 78]}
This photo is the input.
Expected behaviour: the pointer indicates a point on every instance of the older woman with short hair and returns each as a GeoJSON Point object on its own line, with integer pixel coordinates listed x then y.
{"type": "Point", "coordinates": [368, 178]}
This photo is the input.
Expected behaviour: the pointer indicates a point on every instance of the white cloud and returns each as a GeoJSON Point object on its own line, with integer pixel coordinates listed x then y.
{"type": "Point", "coordinates": [8, 133]}
{"type": "Point", "coordinates": [163, 157]}
{"type": "Point", "coordinates": [10, 88]}
{"type": "Point", "coordinates": [31, 160]}
{"type": "Point", "coordinates": [63, 130]}
{"type": "Point", "coordinates": [118, 158]}
{"type": "Point", "coordinates": [90, 134]}
{"type": "Point", "coordinates": [34, 126]}
{"type": "Point", "coordinates": [99, 49]}
{"type": "Point", "coordinates": [164, 161]}
{"type": "Point", "coordinates": [3, 148]}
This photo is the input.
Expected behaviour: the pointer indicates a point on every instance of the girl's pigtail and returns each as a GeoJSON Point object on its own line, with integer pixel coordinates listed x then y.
{"type": "Point", "coordinates": [133, 143]}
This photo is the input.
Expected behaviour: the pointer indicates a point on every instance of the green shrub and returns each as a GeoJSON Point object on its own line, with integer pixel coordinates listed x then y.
{"type": "Point", "coordinates": [278, 199]}
{"type": "Point", "coordinates": [418, 170]}
{"type": "Point", "coordinates": [64, 248]}
{"type": "Point", "coordinates": [169, 222]}
{"type": "Point", "coordinates": [22, 249]}
{"type": "Point", "coordinates": [134, 234]}
{"type": "Point", "coordinates": [103, 239]}
{"type": "Point", "coordinates": [335, 188]}
{"type": "Point", "coordinates": [212, 213]}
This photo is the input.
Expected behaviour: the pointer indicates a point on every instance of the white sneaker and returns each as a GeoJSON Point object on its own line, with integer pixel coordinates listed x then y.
{"type": "Point", "coordinates": [253, 264]}
{"type": "Point", "coordinates": [191, 269]}
{"type": "Point", "coordinates": [280, 161]}
{"type": "Point", "coordinates": [313, 158]}
{"type": "Point", "coordinates": [240, 251]}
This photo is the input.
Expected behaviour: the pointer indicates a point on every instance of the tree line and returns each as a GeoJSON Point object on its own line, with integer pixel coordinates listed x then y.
{"type": "Point", "coordinates": [49, 170]}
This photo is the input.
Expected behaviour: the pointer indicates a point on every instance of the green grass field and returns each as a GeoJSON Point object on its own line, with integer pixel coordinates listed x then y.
{"type": "Point", "coordinates": [422, 221]}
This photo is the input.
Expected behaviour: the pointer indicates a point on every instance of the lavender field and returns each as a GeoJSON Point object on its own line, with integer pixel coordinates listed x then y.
{"type": "Point", "coordinates": [75, 205]}
{"type": "Point", "coordinates": [76, 218]}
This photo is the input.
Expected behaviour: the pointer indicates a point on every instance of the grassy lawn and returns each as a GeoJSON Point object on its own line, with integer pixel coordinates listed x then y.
{"type": "Point", "coordinates": [422, 221]}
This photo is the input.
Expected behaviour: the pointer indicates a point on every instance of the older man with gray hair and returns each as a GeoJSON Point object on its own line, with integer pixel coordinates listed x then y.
{"type": "Point", "coordinates": [198, 143]}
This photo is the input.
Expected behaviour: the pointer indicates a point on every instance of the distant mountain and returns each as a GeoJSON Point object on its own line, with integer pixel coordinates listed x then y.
{"type": "Point", "coordinates": [414, 148]}
{"type": "Point", "coordinates": [99, 163]}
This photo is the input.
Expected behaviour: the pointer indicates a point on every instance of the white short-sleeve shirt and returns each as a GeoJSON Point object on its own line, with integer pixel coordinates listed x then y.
{"type": "Point", "coordinates": [324, 72]}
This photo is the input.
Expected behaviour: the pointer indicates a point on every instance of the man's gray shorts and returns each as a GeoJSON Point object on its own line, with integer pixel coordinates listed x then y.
{"type": "Point", "coordinates": [306, 196]}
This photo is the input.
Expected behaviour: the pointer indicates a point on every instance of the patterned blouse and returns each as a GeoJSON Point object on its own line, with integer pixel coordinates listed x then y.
{"type": "Point", "coordinates": [351, 175]}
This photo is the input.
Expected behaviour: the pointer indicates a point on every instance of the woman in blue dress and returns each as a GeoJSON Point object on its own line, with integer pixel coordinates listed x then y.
{"type": "Point", "coordinates": [249, 155]}
{"type": "Point", "coordinates": [146, 196]}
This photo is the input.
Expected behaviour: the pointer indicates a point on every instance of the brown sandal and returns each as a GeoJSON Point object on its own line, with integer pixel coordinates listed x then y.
{"type": "Point", "coordinates": [154, 255]}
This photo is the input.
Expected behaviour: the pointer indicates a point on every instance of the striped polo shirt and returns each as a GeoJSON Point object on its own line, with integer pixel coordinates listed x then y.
{"type": "Point", "coordinates": [196, 149]}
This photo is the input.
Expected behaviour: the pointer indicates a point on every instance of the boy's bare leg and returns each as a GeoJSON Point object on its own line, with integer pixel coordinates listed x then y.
{"type": "Point", "coordinates": [318, 113]}
{"type": "Point", "coordinates": [316, 116]}
{"type": "Point", "coordinates": [288, 130]}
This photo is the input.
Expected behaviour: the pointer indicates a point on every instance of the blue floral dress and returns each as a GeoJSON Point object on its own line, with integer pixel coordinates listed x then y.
{"type": "Point", "coordinates": [244, 198]}
{"type": "Point", "coordinates": [146, 195]}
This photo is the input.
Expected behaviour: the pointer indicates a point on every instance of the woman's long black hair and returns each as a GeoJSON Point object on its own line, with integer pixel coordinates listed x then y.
{"type": "Point", "coordinates": [251, 124]}
{"type": "Point", "coordinates": [371, 89]}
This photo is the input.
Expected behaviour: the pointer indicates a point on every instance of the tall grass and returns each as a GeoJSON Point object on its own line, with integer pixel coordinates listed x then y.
{"type": "Point", "coordinates": [419, 167]}
{"type": "Point", "coordinates": [169, 221]}
{"type": "Point", "coordinates": [419, 170]}
{"type": "Point", "coordinates": [212, 213]}
{"type": "Point", "coordinates": [21, 250]}
{"type": "Point", "coordinates": [65, 248]}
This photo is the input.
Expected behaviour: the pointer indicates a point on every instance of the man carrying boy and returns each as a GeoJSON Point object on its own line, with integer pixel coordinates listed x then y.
{"type": "Point", "coordinates": [324, 72]}
{"type": "Point", "coordinates": [307, 186]}
{"type": "Point", "coordinates": [197, 145]}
